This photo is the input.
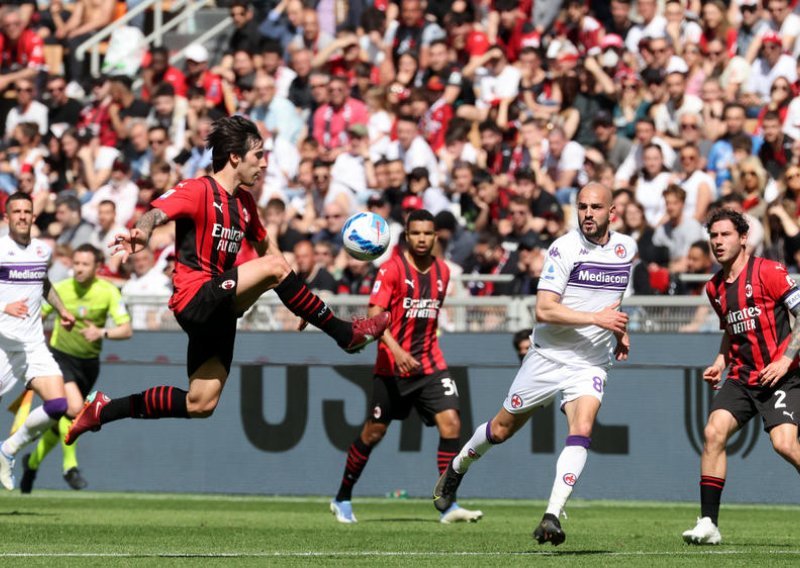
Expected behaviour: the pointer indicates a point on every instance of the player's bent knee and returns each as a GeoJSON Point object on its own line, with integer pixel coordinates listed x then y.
{"type": "Point", "coordinates": [373, 433]}
{"type": "Point", "coordinates": [55, 408]}
{"type": "Point", "coordinates": [201, 408]}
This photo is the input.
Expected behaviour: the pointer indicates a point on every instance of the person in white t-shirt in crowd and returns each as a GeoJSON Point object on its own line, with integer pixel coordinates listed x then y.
{"type": "Point", "coordinates": [562, 165]}
{"type": "Point", "coordinates": [27, 109]}
{"type": "Point", "coordinates": [653, 24]}
{"type": "Point", "coordinates": [679, 231]}
{"type": "Point", "coordinates": [411, 148]}
{"type": "Point", "coordinates": [645, 135]}
{"type": "Point", "coordinates": [433, 198]}
{"type": "Point", "coordinates": [771, 64]}
{"type": "Point", "coordinates": [698, 185]}
{"type": "Point", "coordinates": [651, 181]}
{"type": "Point", "coordinates": [353, 170]}
{"type": "Point", "coordinates": [119, 189]}
{"type": "Point", "coordinates": [106, 228]}
{"type": "Point", "coordinates": [678, 102]}
{"type": "Point", "coordinates": [495, 80]}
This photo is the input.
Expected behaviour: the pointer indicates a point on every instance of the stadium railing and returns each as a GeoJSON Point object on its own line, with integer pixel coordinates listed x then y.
{"type": "Point", "coordinates": [648, 314]}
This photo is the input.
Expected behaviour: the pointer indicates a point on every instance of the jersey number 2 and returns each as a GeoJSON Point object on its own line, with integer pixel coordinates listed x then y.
{"type": "Point", "coordinates": [779, 403]}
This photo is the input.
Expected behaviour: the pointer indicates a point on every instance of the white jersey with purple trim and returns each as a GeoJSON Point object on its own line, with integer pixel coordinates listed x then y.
{"type": "Point", "coordinates": [22, 273]}
{"type": "Point", "coordinates": [588, 277]}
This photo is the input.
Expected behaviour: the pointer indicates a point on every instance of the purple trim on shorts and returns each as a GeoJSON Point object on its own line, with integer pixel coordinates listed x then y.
{"type": "Point", "coordinates": [55, 408]}
{"type": "Point", "coordinates": [583, 441]}
{"type": "Point", "coordinates": [489, 432]}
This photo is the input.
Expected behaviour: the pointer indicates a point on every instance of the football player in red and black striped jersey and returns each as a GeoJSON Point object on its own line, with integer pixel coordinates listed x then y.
{"type": "Point", "coordinates": [213, 216]}
{"type": "Point", "coordinates": [410, 371]}
{"type": "Point", "coordinates": [753, 298]}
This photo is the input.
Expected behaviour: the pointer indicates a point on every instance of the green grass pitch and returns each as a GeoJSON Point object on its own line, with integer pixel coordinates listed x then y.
{"type": "Point", "coordinates": [50, 528]}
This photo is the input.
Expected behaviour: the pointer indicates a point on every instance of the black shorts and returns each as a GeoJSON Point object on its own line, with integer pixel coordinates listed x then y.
{"type": "Point", "coordinates": [210, 322]}
{"type": "Point", "coordinates": [435, 393]}
{"type": "Point", "coordinates": [776, 405]}
{"type": "Point", "coordinates": [82, 372]}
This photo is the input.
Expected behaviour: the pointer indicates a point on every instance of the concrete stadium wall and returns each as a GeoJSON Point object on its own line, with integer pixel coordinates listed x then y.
{"type": "Point", "coordinates": [294, 403]}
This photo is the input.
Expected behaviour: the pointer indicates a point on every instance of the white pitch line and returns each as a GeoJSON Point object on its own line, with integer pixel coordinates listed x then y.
{"type": "Point", "coordinates": [377, 553]}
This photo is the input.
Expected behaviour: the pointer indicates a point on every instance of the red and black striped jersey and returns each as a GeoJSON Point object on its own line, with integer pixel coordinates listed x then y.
{"type": "Point", "coordinates": [414, 300]}
{"type": "Point", "coordinates": [753, 311]}
{"type": "Point", "coordinates": [210, 226]}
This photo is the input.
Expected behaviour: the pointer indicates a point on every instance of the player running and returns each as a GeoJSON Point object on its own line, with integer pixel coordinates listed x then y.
{"type": "Point", "coordinates": [213, 216]}
{"type": "Point", "coordinates": [23, 350]}
{"type": "Point", "coordinates": [582, 283]}
{"type": "Point", "coordinates": [752, 297]}
{"type": "Point", "coordinates": [410, 371]}
{"type": "Point", "coordinates": [91, 301]}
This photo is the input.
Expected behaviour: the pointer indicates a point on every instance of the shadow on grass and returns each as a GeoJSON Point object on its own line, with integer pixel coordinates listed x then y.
{"type": "Point", "coordinates": [25, 514]}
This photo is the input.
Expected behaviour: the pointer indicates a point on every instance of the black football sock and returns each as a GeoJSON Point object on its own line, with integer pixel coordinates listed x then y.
{"type": "Point", "coordinates": [448, 449]}
{"type": "Point", "coordinates": [357, 457]}
{"type": "Point", "coordinates": [155, 402]}
{"type": "Point", "coordinates": [710, 496]}
{"type": "Point", "coordinates": [305, 304]}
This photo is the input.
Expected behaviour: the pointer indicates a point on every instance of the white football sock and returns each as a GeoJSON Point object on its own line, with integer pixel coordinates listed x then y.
{"type": "Point", "coordinates": [478, 445]}
{"type": "Point", "coordinates": [37, 422]}
{"type": "Point", "coordinates": [568, 470]}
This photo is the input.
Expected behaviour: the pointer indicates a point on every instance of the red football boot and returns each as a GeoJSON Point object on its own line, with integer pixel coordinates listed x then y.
{"type": "Point", "coordinates": [367, 330]}
{"type": "Point", "coordinates": [88, 418]}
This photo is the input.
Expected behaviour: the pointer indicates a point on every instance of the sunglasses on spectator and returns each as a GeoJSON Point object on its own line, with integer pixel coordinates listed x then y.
{"type": "Point", "coordinates": [748, 8]}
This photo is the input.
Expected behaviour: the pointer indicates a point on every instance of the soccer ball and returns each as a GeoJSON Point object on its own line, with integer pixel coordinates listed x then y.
{"type": "Point", "coordinates": [365, 236]}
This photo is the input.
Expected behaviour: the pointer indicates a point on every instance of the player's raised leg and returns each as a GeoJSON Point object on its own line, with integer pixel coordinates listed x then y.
{"type": "Point", "coordinates": [581, 414]}
{"type": "Point", "coordinates": [496, 431]}
{"type": "Point", "coordinates": [357, 457]}
{"type": "Point", "coordinates": [51, 389]}
{"type": "Point", "coordinates": [271, 271]}
{"type": "Point", "coordinates": [720, 427]}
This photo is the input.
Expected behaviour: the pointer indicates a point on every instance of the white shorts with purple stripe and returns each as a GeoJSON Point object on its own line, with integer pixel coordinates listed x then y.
{"type": "Point", "coordinates": [540, 379]}
{"type": "Point", "coordinates": [34, 361]}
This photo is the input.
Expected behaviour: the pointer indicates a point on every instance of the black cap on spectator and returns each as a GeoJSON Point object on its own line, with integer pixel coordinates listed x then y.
{"type": "Point", "coordinates": [376, 201]}
{"type": "Point", "coordinates": [603, 118]}
{"type": "Point", "coordinates": [652, 76]}
{"type": "Point", "coordinates": [445, 220]}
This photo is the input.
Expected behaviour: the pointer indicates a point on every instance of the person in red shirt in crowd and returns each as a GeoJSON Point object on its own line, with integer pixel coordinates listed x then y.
{"type": "Point", "coordinates": [96, 116]}
{"type": "Point", "coordinates": [579, 27]}
{"type": "Point", "coordinates": [199, 76]}
{"type": "Point", "coordinates": [465, 38]}
{"type": "Point", "coordinates": [434, 122]}
{"type": "Point", "coordinates": [214, 215]}
{"type": "Point", "coordinates": [341, 57]}
{"type": "Point", "coordinates": [332, 119]}
{"type": "Point", "coordinates": [21, 57]}
{"type": "Point", "coordinates": [159, 71]}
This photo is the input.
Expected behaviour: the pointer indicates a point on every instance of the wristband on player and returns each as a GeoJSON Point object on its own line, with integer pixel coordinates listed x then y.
{"type": "Point", "coordinates": [105, 333]}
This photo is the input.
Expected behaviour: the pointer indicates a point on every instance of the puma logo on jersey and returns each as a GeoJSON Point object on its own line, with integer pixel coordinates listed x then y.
{"type": "Point", "coordinates": [218, 206]}
{"type": "Point", "coordinates": [410, 283]}
{"type": "Point", "coordinates": [789, 414]}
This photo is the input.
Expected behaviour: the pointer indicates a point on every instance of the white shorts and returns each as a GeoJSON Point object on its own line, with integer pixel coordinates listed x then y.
{"type": "Point", "coordinates": [35, 361]}
{"type": "Point", "coordinates": [539, 380]}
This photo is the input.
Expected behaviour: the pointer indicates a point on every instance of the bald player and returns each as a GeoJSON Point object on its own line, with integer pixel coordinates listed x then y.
{"type": "Point", "coordinates": [579, 329]}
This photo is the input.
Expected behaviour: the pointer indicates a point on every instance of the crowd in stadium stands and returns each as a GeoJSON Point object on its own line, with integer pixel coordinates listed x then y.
{"type": "Point", "coordinates": [488, 113]}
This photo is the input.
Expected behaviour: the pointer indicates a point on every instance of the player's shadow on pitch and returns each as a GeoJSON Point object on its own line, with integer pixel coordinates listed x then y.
{"type": "Point", "coordinates": [25, 514]}
{"type": "Point", "coordinates": [403, 520]}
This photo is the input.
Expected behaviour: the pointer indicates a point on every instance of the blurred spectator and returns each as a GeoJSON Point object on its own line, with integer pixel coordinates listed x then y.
{"type": "Point", "coordinates": [334, 216]}
{"type": "Point", "coordinates": [456, 242]}
{"type": "Point", "coordinates": [614, 147]}
{"type": "Point", "coordinates": [532, 257]}
{"type": "Point", "coordinates": [353, 171]}
{"type": "Point", "coordinates": [273, 65]}
{"type": "Point", "coordinates": [543, 205]}
{"type": "Point", "coordinates": [521, 341]}
{"type": "Point", "coordinates": [410, 32]}
{"type": "Point", "coordinates": [783, 234]}
{"type": "Point", "coordinates": [645, 135]}
{"type": "Point", "coordinates": [697, 184]}
{"type": "Point", "coordinates": [88, 17]}
{"type": "Point", "coordinates": [653, 179]}
{"type": "Point", "coordinates": [27, 109]}
{"type": "Point", "coordinates": [310, 35]}
{"type": "Point", "coordinates": [106, 229]}
{"type": "Point", "coordinates": [74, 231]}
{"type": "Point", "coordinates": [198, 75]}
{"type": "Point", "coordinates": [160, 72]}
{"type": "Point", "coordinates": [489, 257]}
{"type": "Point", "coordinates": [332, 119]}
{"type": "Point", "coordinates": [21, 56]}
{"type": "Point", "coordinates": [276, 113]}
{"type": "Point", "coordinates": [411, 148]}
{"type": "Point", "coordinates": [756, 234]}
{"type": "Point", "coordinates": [678, 103]}
{"type": "Point", "coordinates": [277, 225]}
{"type": "Point", "coordinates": [125, 106]}
{"type": "Point", "coordinates": [652, 25]}
{"type": "Point", "coordinates": [358, 278]}
{"type": "Point", "coordinates": [433, 198]}
{"type": "Point", "coordinates": [495, 80]}
{"type": "Point", "coordinates": [751, 182]}
{"type": "Point", "coordinates": [120, 190]}
{"type": "Point", "coordinates": [95, 116]}
{"type": "Point", "coordinates": [650, 275]}
{"type": "Point", "coordinates": [520, 225]}
{"type": "Point", "coordinates": [679, 230]}
{"type": "Point", "coordinates": [771, 64]}
{"type": "Point", "coordinates": [63, 111]}
{"type": "Point", "coordinates": [699, 262]}
{"type": "Point", "coordinates": [300, 88]}
{"type": "Point", "coordinates": [245, 34]}
{"type": "Point", "coordinates": [160, 151]}
{"type": "Point", "coordinates": [283, 22]}
{"type": "Point", "coordinates": [776, 153]}
{"type": "Point", "coordinates": [316, 278]}
{"type": "Point", "coordinates": [169, 112]}
{"type": "Point", "coordinates": [136, 149]}
{"type": "Point", "coordinates": [562, 165]}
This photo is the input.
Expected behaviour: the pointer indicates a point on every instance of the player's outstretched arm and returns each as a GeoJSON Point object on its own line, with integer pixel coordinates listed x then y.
{"type": "Point", "coordinates": [126, 244]}
{"type": "Point", "coordinates": [52, 297]}
{"type": "Point", "coordinates": [549, 309]}
{"type": "Point", "coordinates": [777, 369]}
